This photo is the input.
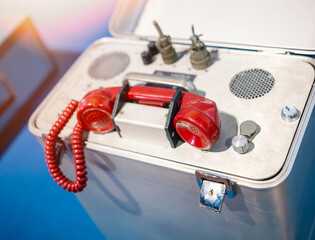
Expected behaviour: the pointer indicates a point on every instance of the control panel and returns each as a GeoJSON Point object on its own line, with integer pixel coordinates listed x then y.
{"type": "Point", "coordinates": [248, 104]}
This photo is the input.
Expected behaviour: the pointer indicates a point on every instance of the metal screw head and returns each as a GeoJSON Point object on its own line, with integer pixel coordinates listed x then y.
{"type": "Point", "coordinates": [290, 113]}
{"type": "Point", "coordinates": [240, 144]}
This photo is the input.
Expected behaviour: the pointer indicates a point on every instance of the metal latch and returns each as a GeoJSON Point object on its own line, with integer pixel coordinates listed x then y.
{"type": "Point", "coordinates": [213, 189]}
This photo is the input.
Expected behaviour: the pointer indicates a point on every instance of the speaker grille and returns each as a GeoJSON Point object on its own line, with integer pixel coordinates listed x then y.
{"type": "Point", "coordinates": [109, 65]}
{"type": "Point", "coordinates": [252, 83]}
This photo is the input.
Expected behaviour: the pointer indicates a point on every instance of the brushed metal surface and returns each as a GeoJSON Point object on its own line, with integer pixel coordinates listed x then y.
{"type": "Point", "coordinates": [154, 202]}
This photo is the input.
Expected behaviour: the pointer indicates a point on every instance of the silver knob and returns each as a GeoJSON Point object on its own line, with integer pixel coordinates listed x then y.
{"type": "Point", "coordinates": [240, 144]}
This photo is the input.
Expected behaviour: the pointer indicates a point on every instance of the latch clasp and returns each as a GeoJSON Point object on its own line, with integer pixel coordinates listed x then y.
{"type": "Point", "coordinates": [213, 189]}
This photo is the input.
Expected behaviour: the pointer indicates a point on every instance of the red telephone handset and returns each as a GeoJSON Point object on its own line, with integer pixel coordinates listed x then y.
{"type": "Point", "coordinates": [197, 123]}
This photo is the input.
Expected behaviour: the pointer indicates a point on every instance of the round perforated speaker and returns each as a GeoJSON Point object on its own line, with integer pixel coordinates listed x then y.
{"type": "Point", "coordinates": [252, 83]}
{"type": "Point", "coordinates": [109, 65]}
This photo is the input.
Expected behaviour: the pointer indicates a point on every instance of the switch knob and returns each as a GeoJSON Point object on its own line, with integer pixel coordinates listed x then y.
{"type": "Point", "coordinates": [240, 144]}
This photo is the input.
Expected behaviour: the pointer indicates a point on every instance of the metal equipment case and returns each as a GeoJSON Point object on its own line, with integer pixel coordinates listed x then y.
{"type": "Point", "coordinates": [140, 187]}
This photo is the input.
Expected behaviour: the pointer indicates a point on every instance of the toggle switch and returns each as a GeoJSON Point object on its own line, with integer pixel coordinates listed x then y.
{"type": "Point", "coordinates": [164, 44]}
{"type": "Point", "coordinates": [200, 58]}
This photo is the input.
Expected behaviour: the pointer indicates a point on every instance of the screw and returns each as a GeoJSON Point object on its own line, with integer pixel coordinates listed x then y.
{"type": "Point", "coordinates": [210, 193]}
{"type": "Point", "coordinates": [290, 113]}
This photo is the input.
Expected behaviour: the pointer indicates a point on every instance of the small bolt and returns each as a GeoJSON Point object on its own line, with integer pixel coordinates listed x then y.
{"type": "Point", "coordinates": [290, 113]}
{"type": "Point", "coordinates": [210, 193]}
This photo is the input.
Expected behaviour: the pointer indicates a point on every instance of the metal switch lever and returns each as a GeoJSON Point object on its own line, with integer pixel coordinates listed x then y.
{"type": "Point", "coordinates": [249, 129]}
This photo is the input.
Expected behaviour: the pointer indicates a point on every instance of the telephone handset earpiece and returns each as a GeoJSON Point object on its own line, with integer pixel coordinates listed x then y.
{"type": "Point", "coordinates": [197, 122]}
{"type": "Point", "coordinates": [95, 109]}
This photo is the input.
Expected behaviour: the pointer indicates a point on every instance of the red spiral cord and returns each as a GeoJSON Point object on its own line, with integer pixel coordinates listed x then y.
{"type": "Point", "coordinates": [77, 151]}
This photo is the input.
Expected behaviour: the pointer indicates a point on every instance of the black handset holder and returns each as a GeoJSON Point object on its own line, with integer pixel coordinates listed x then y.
{"type": "Point", "coordinates": [173, 137]}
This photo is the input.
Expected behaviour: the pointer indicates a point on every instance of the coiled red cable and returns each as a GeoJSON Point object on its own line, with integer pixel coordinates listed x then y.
{"type": "Point", "coordinates": [77, 151]}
